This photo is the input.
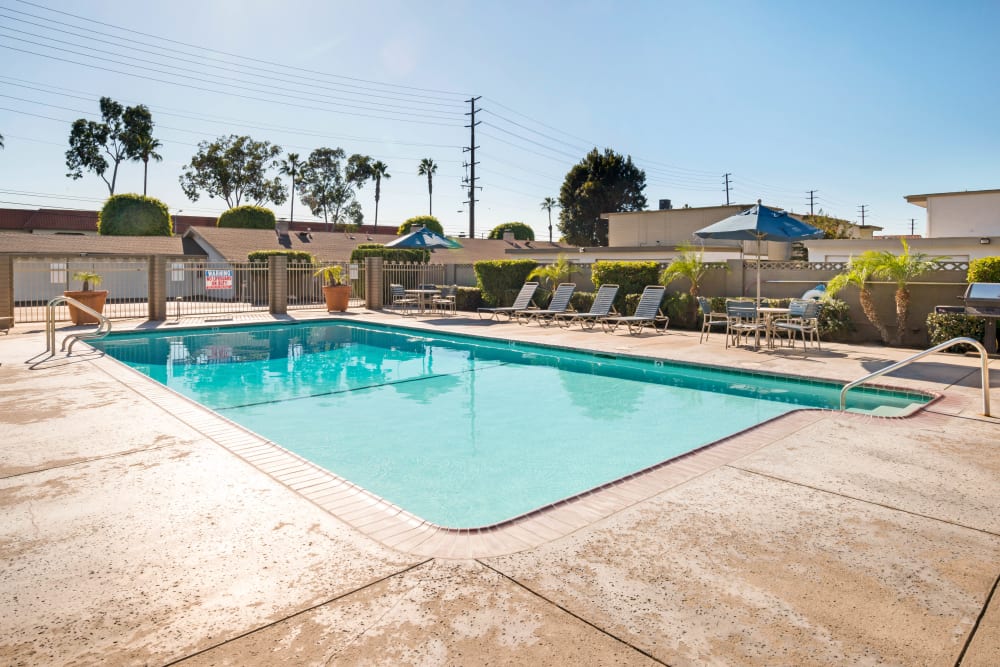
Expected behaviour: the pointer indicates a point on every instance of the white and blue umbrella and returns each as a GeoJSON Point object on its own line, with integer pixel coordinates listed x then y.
{"type": "Point", "coordinates": [423, 238]}
{"type": "Point", "coordinates": [760, 223]}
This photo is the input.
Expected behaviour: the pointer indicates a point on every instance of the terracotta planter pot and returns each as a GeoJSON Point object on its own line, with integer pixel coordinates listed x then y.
{"type": "Point", "coordinates": [336, 297]}
{"type": "Point", "coordinates": [93, 299]}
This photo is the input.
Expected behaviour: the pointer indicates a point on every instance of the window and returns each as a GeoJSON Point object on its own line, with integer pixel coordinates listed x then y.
{"type": "Point", "coordinates": [57, 273]}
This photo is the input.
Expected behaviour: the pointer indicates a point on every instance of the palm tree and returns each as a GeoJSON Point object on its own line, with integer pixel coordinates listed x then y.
{"type": "Point", "coordinates": [901, 269]}
{"type": "Point", "coordinates": [553, 274]}
{"type": "Point", "coordinates": [689, 264]}
{"type": "Point", "coordinates": [860, 271]}
{"type": "Point", "coordinates": [428, 168]}
{"type": "Point", "coordinates": [379, 170]}
{"type": "Point", "coordinates": [290, 167]}
{"type": "Point", "coordinates": [145, 148]}
{"type": "Point", "coordinates": [547, 205]}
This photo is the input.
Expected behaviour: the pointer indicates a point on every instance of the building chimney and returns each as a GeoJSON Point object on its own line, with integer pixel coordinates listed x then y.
{"type": "Point", "coordinates": [508, 235]}
{"type": "Point", "coordinates": [665, 205]}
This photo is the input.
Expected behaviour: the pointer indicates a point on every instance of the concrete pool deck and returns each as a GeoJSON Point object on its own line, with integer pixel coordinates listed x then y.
{"type": "Point", "coordinates": [139, 529]}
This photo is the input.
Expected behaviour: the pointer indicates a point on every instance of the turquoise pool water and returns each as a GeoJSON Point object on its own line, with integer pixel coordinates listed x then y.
{"type": "Point", "coordinates": [465, 432]}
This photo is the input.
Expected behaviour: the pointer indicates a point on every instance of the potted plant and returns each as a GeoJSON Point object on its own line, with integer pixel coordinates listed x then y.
{"type": "Point", "coordinates": [91, 298]}
{"type": "Point", "coordinates": [336, 291]}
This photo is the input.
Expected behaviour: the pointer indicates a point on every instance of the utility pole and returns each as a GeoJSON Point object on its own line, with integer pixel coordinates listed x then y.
{"type": "Point", "coordinates": [726, 177]}
{"type": "Point", "coordinates": [913, 226]}
{"type": "Point", "coordinates": [472, 164]}
{"type": "Point", "coordinates": [812, 200]}
{"type": "Point", "coordinates": [863, 210]}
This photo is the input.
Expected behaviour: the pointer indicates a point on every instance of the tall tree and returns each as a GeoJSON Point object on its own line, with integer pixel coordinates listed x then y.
{"type": "Point", "coordinates": [115, 137]}
{"type": "Point", "coordinates": [290, 167]}
{"type": "Point", "coordinates": [145, 150]}
{"type": "Point", "coordinates": [601, 183]}
{"type": "Point", "coordinates": [380, 170]}
{"type": "Point", "coordinates": [901, 269]}
{"type": "Point", "coordinates": [326, 189]}
{"type": "Point", "coordinates": [547, 205]}
{"type": "Point", "coordinates": [234, 168]}
{"type": "Point", "coordinates": [428, 168]}
{"type": "Point", "coordinates": [860, 272]}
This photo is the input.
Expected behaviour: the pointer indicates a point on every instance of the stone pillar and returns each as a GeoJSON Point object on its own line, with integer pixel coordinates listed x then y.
{"type": "Point", "coordinates": [373, 283]}
{"type": "Point", "coordinates": [277, 284]}
{"type": "Point", "coordinates": [7, 286]}
{"type": "Point", "coordinates": [157, 288]}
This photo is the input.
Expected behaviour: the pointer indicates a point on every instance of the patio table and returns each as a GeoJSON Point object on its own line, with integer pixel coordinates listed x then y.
{"type": "Point", "coordinates": [424, 297]}
{"type": "Point", "coordinates": [769, 314]}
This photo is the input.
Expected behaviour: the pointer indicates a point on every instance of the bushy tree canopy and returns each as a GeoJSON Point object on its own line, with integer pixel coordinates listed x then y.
{"type": "Point", "coordinates": [601, 183]}
{"type": "Point", "coordinates": [522, 232]}
{"type": "Point", "coordinates": [121, 134]}
{"type": "Point", "coordinates": [134, 215]}
{"type": "Point", "coordinates": [247, 217]}
{"type": "Point", "coordinates": [235, 169]}
{"type": "Point", "coordinates": [326, 189]}
{"type": "Point", "coordinates": [428, 221]}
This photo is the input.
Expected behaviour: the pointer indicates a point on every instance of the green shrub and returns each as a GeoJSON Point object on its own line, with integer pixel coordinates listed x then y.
{"type": "Point", "coordinates": [582, 301]}
{"type": "Point", "coordinates": [522, 232]}
{"type": "Point", "coordinates": [134, 215]}
{"type": "Point", "coordinates": [363, 250]}
{"type": "Point", "coordinates": [294, 256]}
{"type": "Point", "coordinates": [835, 321]}
{"type": "Point", "coordinates": [428, 221]}
{"type": "Point", "coordinates": [942, 327]}
{"type": "Point", "coordinates": [631, 278]}
{"type": "Point", "coordinates": [682, 309]}
{"type": "Point", "coordinates": [247, 217]}
{"type": "Point", "coordinates": [499, 280]}
{"type": "Point", "coordinates": [468, 298]}
{"type": "Point", "coordinates": [984, 270]}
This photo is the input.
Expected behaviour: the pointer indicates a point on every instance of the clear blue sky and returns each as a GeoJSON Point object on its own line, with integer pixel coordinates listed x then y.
{"type": "Point", "coordinates": [865, 102]}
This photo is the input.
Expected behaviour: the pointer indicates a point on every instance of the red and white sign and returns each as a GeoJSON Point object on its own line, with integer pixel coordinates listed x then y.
{"type": "Point", "coordinates": [219, 279]}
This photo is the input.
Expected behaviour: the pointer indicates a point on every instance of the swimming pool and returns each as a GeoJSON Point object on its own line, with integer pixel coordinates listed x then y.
{"type": "Point", "coordinates": [463, 431]}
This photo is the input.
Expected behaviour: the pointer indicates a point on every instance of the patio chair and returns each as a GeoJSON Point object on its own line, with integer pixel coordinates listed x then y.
{"type": "Point", "coordinates": [557, 305]}
{"type": "Point", "coordinates": [447, 300]}
{"type": "Point", "coordinates": [646, 313]}
{"type": "Point", "coordinates": [802, 318]}
{"type": "Point", "coordinates": [400, 300]}
{"type": "Point", "coordinates": [742, 320]}
{"type": "Point", "coordinates": [709, 318]}
{"type": "Point", "coordinates": [603, 306]}
{"type": "Point", "coordinates": [522, 302]}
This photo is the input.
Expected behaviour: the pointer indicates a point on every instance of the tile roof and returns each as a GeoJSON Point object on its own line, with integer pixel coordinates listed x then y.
{"type": "Point", "coordinates": [74, 244]}
{"type": "Point", "coordinates": [236, 244]}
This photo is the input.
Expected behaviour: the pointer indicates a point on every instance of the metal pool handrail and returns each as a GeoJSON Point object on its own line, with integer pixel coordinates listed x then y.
{"type": "Point", "coordinates": [983, 357]}
{"type": "Point", "coordinates": [103, 327]}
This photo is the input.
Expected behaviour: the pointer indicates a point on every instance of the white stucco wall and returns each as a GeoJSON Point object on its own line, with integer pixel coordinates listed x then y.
{"type": "Point", "coordinates": [956, 249]}
{"type": "Point", "coordinates": [976, 215]}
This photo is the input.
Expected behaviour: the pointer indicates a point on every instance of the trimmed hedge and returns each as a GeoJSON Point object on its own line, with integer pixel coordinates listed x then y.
{"type": "Point", "coordinates": [984, 270]}
{"type": "Point", "coordinates": [682, 309]}
{"type": "Point", "coordinates": [247, 217]}
{"type": "Point", "coordinates": [468, 298]}
{"type": "Point", "coordinates": [582, 301]}
{"type": "Point", "coordinates": [942, 327]}
{"type": "Point", "coordinates": [294, 256]}
{"type": "Point", "coordinates": [363, 250]}
{"type": "Point", "coordinates": [631, 278]}
{"type": "Point", "coordinates": [134, 215]}
{"type": "Point", "coordinates": [428, 221]}
{"type": "Point", "coordinates": [522, 232]}
{"type": "Point", "coordinates": [499, 280]}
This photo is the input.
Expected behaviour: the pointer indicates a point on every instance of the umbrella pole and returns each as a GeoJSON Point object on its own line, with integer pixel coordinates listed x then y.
{"type": "Point", "coordinates": [758, 272]}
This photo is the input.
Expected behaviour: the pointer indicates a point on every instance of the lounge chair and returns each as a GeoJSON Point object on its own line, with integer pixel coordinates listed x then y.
{"type": "Point", "coordinates": [742, 319]}
{"type": "Point", "coordinates": [557, 306]}
{"type": "Point", "coordinates": [646, 313]}
{"type": "Point", "coordinates": [522, 302]}
{"type": "Point", "coordinates": [400, 299]}
{"type": "Point", "coordinates": [710, 319]}
{"type": "Point", "coordinates": [603, 306]}
{"type": "Point", "coordinates": [803, 318]}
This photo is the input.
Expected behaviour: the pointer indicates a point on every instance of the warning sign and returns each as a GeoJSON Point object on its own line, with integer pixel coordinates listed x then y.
{"type": "Point", "coordinates": [219, 279]}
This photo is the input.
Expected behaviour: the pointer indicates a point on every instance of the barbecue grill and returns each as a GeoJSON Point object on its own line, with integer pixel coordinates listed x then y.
{"type": "Point", "coordinates": [983, 300]}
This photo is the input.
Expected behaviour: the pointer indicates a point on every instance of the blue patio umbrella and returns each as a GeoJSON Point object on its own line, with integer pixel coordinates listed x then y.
{"type": "Point", "coordinates": [423, 238]}
{"type": "Point", "coordinates": [760, 223]}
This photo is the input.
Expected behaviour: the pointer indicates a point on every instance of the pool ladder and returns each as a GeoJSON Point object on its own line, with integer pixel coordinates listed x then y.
{"type": "Point", "coordinates": [983, 357]}
{"type": "Point", "coordinates": [103, 327]}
